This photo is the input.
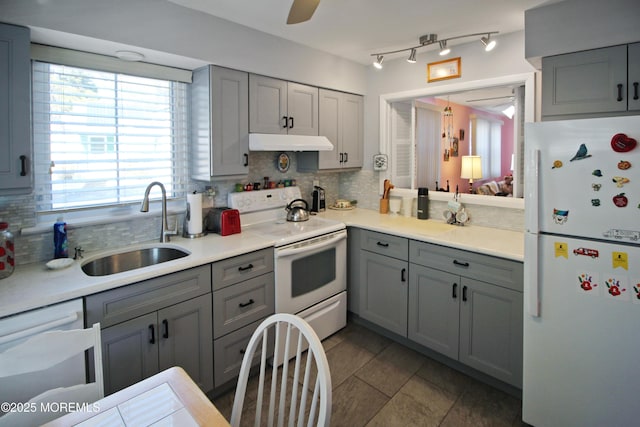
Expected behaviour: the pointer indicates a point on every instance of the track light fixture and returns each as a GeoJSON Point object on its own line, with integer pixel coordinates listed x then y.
{"type": "Point", "coordinates": [412, 57]}
{"type": "Point", "coordinates": [378, 62]}
{"type": "Point", "coordinates": [429, 39]}
{"type": "Point", "coordinates": [488, 43]}
{"type": "Point", "coordinates": [444, 50]}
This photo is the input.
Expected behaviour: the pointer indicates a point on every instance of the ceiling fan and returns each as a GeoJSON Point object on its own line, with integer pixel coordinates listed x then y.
{"type": "Point", "coordinates": [302, 10]}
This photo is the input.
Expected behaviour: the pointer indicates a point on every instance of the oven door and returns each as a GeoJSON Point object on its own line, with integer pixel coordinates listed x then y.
{"type": "Point", "coordinates": [310, 271]}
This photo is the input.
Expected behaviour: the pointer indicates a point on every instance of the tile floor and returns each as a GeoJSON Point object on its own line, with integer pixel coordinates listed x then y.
{"type": "Point", "coordinates": [378, 382]}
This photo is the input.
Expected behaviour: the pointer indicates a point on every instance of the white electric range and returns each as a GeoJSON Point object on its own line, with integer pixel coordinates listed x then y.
{"type": "Point", "coordinates": [310, 257]}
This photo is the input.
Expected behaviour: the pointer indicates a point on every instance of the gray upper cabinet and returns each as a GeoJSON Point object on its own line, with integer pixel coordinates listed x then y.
{"type": "Point", "coordinates": [16, 176]}
{"type": "Point", "coordinates": [341, 121]}
{"type": "Point", "coordinates": [634, 77]}
{"type": "Point", "coordinates": [220, 128]}
{"type": "Point", "coordinates": [280, 107]}
{"type": "Point", "coordinates": [590, 83]}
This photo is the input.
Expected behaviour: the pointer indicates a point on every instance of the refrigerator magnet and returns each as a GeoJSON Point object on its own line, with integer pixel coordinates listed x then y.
{"type": "Point", "coordinates": [561, 249]}
{"type": "Point", "coordinates": [620, 181]}
{"type": "Point", "coordinates": [581, 154]}
{"type": "Point", "coordinates": [556, 164]}
{"type": "Point", "coordinates": [616, 288]}
{"type": "Point", "coordinates": [596, 187]}
{"type": "Point", "coordinates": [588, 283]}
{"type": "Point", "coordinates": [620, 200]}
{"type": "Point", "coordinates": [621, 143]}
{"type": "Point", "coordinates": [595, 202]}
{"type": "Point", "coordinates": [620, 260]}
{"type": "Point", "coordinates": [636, 292]}
{"type": "Point", "coordinates": [560, 216]}
{"type": "Point", "coordinates": [623, 165]}
{"type": "Point", "coordinates": [597, 172]}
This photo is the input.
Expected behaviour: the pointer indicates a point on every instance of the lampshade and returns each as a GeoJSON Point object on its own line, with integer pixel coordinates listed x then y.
{"type": "Point", "coordinates": [471, 167]}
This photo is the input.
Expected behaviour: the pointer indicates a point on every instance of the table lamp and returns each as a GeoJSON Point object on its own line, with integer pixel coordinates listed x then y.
{"type": "Point", "coordinates": [471, 169]}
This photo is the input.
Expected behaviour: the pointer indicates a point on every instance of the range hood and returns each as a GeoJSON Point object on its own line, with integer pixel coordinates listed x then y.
{"type": "Point", "coordinates": [275, 142]}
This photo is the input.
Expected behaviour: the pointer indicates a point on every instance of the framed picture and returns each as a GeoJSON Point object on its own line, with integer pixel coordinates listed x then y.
{"type": "Point", "coordinates": [443, 70]}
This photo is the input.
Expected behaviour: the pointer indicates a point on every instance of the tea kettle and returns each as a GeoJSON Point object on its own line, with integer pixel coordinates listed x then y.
{"type": "Point", "coordinates": [297, 213]}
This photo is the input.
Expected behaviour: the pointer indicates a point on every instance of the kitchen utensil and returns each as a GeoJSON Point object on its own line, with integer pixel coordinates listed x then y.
{"type": "Point", "coordinates": [384, 206]}
{"type": "Point", "coordinates": [297, 213]}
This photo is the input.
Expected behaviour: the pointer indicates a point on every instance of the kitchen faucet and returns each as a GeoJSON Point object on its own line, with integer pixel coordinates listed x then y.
{"type": "Point", "coordinates": [164, 227]}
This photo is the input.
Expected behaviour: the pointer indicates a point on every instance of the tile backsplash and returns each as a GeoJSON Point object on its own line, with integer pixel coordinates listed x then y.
{"type": "Point", "coordinates": [363, 186]}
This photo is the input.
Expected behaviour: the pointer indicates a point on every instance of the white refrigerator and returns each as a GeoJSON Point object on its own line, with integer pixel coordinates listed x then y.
{"type": "Point", "coordinates": [582, 273]}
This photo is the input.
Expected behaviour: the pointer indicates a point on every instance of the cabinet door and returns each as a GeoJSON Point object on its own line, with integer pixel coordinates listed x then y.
{"type": "Point", "coordinates": [434, 309]}
{"type": "Point", "coordinates": [230, 122]}
{"type": "Point", "coordinates": [302, 106]}
{"type": "Point", "coordinates": [352, 130]}
{"type": "Point", "coordinates": [383, 291]}
{"type": "Point", "coordinates": [330, 116]}
{"type": "Point", "coordinates": [491, 330]}
{"type": "Point", "coordinates": [185, 339]}
{"type": "Point", "coordinates": [15, 111]}
{"type": "Point", "coordinates": [634, 77]}
{"type": "Point", "coordinates": [267, 105]}
{"type": "Point", "coordinates": [592, 81]}
{"type": "Point", "coordinates": [129, 352]}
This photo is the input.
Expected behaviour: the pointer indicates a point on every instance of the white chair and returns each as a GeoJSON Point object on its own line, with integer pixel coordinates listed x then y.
{"type": "Point", "coordinates": [41, 352]}
{"type": "Point", "coordinates": [292, 336]}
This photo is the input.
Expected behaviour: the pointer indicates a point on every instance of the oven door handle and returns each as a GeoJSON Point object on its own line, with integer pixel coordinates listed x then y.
{"type": "Point", "coordinates": [312, 247]}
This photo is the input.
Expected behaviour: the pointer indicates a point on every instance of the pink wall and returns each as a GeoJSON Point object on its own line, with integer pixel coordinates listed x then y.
{"type": "Point", "coordinates": [451, 169]}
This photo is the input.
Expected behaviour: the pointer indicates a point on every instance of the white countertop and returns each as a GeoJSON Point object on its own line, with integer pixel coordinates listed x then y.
{"type": "Point", "coordinates": [489, 241]}
{"type": "Point", "coordinates": [33, 285]}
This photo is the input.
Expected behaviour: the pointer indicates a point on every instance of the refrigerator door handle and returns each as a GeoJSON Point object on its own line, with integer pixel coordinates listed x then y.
{"type": "Point", "coordinates": [531, 282]}
{"type": "Point", "coordinates": [532, 190]}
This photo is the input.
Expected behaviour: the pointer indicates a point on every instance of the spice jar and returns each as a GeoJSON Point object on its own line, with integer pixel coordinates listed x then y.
{"type": "Point", "coordinates": [7, 262]}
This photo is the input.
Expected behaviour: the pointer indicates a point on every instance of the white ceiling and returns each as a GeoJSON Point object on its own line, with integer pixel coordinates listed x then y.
{"type": "Point", "coordinates": [355, 29]}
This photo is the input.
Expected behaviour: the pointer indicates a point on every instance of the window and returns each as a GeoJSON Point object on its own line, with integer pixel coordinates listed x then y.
{"type": "Point", "coordinates": [101, 137]}
{"type": "Point", "coordinates": [486, 137]}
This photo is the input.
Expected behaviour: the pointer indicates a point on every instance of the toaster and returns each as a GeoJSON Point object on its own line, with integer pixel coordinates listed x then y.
{"type": "Point", "coordinates": [223, 221]}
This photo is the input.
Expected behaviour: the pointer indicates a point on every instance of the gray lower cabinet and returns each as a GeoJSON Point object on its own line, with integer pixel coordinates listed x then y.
{"type": "Point", "coordinates": [384, 275]}
{"type": "Point", "coordinates": [468, 307]}
{"type": "Point", "coordinates": [152, 325]}
{"type": "Point", "coordinates": [243, 296]}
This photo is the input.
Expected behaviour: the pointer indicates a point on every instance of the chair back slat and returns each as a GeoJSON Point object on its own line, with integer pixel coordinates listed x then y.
{"type": "Point", "coordinates": [294, 339]}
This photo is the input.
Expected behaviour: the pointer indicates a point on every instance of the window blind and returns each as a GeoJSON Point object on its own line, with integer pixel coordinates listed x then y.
{"type": "Point", "coordinates": [101, 137]}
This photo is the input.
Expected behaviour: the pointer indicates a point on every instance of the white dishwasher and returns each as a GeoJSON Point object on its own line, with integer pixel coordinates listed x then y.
{"type": "Point", "coordinates": [16, 329]}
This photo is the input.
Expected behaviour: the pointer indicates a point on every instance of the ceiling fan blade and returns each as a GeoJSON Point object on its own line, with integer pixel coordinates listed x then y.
{"type": "Point", "coordinates": [302, 10]}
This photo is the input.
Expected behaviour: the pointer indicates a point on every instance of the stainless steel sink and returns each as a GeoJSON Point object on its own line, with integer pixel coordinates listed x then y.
{"type": "Point", "coordinates": [130, 260]}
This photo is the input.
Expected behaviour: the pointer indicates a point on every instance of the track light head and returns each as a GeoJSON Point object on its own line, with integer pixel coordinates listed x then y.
{"type": "Point", "coordinates": [412, 57]}
{"type": "Point", "coordinates": [444, 50]}
{"type": "Point", "coordinates": [378, 62]}
{"type": "Point", "coordinates": [488, 43]}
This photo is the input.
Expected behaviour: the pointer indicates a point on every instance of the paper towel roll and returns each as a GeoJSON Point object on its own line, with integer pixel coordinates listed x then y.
{"type": "Point", "coordinates": [194, 209]}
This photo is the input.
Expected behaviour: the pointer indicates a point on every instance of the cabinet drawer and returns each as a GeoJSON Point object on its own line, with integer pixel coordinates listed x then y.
{"type": "Point", "coordinates": [486, 268]}
{"type": "Point", "coordinates": [242, 267]}
{"type": "Point", "coordinates": [120, 304]}
{"type": "Point", "coordinates": [238, 305]}
{"type": "Point", "coordinates": [228, 352]}
{"type": "Point", "coordinates": [385, 244]}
